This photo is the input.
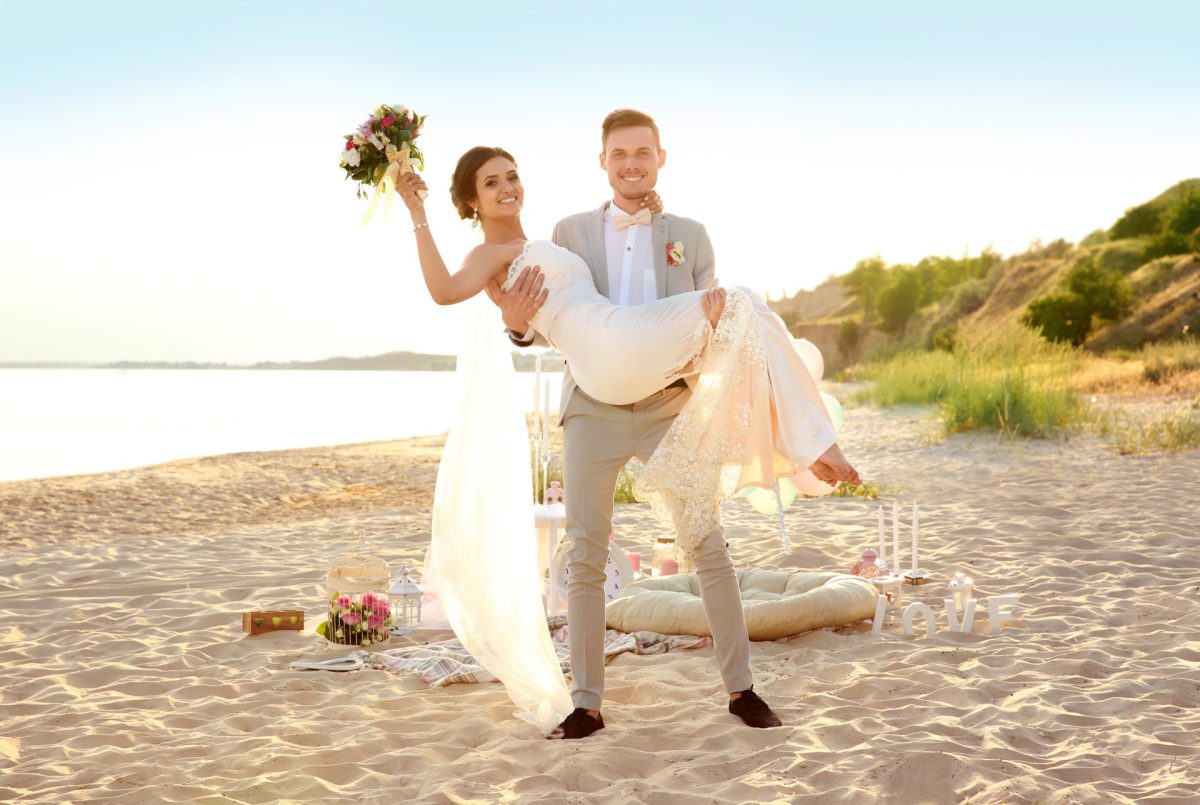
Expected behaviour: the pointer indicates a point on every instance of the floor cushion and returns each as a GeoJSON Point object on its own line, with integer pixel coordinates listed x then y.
{"type": "Point", "coordinates": [777, 603]}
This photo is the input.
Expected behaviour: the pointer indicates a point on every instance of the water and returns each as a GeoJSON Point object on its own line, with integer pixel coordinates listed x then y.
{"type": "Point", "coordinates": [74, 421]}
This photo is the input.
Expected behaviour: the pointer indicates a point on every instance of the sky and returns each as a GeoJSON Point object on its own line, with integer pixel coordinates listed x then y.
{"type": "Point", "coordinates": [170, 190]}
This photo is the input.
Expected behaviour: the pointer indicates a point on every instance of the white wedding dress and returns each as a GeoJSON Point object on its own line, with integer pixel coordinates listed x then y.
{"type": "Point", "coordinates": [756, 409]}
{"type": "Point", "coordinates": [754, 415]}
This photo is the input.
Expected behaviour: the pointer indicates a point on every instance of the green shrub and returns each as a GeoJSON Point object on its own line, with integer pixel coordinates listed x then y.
{"type": "Point", "coordinates": [1124, 256]}
{"type": "Point", "coordinates": [1144, 219]}
{"type": "Point", "coordinates": [1012, 403]}
{"type": "Point", "coordinates": [864, 282]}
{"type": "Point", "coordinates": [1059, 318]}
{"type": "Point", "coordinates": [1168, 244]}
{"type": "Point", "coordinates": [1183, 218]}
{"type": "Point", "coordinates": [1091, 292]}
{"type": "Point", "coordinates": [898, 301]}
{"type": "Point", "coordinates": [967, 298]}
{"type": "Point", "coordinates": [849, 336]}
{"type": "Point", "coordinates": [1013, 382]}
{"type": "Point", "coordinates": [945, 338]}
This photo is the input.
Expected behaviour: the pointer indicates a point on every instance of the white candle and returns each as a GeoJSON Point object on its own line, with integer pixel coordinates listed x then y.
{"type": "Point", "coordinates": [882, 543]}
{"type": "Point", "coordinates": [896, 535]}
{"type": "Point", "coordinates": [914, 538]}
{"type": "Point", "coordinates": [546, 415]}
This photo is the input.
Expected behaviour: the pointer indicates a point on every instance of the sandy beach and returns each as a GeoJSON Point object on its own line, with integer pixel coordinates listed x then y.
{"type": "Point", "coordinates": [127, 677]}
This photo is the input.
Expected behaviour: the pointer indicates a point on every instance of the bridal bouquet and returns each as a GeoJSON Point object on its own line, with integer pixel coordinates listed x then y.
{"type": "Point", "coordinates": [381, 149]}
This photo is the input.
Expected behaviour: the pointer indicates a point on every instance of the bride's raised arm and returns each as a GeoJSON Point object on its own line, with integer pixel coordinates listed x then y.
{"type": "Point", "coordinates": [480, 265]}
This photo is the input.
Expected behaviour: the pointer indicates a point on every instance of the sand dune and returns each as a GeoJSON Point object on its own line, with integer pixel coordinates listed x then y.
{"type": "Point", "coordinates": [127, 678]}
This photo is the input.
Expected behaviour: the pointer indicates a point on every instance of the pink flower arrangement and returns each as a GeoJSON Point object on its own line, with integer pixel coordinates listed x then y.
{"type": "Point", "coordinates": [358, 619]}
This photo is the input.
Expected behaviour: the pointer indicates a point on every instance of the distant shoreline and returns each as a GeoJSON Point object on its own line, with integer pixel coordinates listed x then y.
{"type": "Point", "coordinates": [388, 362]}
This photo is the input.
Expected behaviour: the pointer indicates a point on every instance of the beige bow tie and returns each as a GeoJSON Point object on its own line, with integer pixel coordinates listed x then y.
{"type": "Point", "coordinates": [622, 222]}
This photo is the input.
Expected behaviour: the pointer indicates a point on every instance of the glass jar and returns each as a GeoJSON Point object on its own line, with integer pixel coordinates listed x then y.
{"type": "Point", "coordinates": [664, 562]}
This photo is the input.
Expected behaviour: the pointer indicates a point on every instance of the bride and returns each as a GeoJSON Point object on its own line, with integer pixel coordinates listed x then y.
{"type": "Point", "coordinates": [754, 416]}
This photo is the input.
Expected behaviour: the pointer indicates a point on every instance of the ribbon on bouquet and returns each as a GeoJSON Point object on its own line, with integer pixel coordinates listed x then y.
{"type": "Point", "coordinates": [399, 163]}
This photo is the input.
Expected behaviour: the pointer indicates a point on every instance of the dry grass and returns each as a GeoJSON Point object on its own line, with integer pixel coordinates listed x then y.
{"type": "Point", "coordinates": [1136, 430]}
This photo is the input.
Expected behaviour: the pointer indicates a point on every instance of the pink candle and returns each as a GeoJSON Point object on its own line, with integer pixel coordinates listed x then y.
{"type": "Point", "coordinates": [669, 567]}
{"type": "Point", "coordinates": [635, 561]}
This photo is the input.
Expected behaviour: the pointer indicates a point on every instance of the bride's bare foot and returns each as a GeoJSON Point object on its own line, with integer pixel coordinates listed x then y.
{"type": "Point", "coordinates": [713, 303]}
{"type": "Point", "coordinates": [833, 466]}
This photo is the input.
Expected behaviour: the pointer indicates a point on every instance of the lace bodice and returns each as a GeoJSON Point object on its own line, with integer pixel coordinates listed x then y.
{"type": "Point", "coordinates": [562, 268]}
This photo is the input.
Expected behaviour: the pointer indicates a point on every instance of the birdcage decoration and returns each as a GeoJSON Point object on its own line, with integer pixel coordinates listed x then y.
{"type": "Point", "coordinates": [357, 589]}
{"type": "Point", "coordinates": [405, 598]}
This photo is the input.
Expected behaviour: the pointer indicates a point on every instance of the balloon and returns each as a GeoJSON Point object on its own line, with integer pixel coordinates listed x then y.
{"type": "Point", "coordinates": [809, 484]}
{"type": "Point", "coordinates": [787, 490]}
{"type": "Point", "coordinates": [812, 357]}
{"type": "Point", "coordinates": [835, 411]}
{"type": "Point", "coordinates": [763, 500]}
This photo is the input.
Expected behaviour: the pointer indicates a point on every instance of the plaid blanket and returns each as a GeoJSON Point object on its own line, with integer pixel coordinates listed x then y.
{"type": "Point", "coordinates": [448, 662]}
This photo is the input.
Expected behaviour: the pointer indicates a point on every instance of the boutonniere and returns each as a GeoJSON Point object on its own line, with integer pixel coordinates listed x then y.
{"type": "Point", "coordinates": [675, 254]}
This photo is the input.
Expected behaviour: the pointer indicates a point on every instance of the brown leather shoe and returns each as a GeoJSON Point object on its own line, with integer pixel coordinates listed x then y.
{"type": "Point", "coordinates": [580, 725]}
{"type": "Point", "coordinates": [753, 710]}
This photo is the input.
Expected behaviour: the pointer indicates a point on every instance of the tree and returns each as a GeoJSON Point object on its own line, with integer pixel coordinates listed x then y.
{"type": "Point", "coordinates": [849, 334]}
{"type": "Point", "coordinates": [899, 300]}
{"type": "Point", "coordinates": [1105, 293]}
{"type": "Point", "coordinates": [1059, 317]}
{"type": "Point", "coordinates": [1184, 215]}
{"type": "Point", "coordinates": [864, 283]}
{"type": "Point", "coordinates": [1091, 293]}
{"type": "Point", "coordinates": [1144, 219]}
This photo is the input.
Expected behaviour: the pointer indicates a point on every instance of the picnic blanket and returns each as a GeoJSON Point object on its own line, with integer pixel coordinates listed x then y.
{"type": "Point", "coordinates": [448, 662]}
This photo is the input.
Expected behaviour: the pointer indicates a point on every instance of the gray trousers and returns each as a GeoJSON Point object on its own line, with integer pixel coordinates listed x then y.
{"type": "Point", "coordinates": [598, 440]}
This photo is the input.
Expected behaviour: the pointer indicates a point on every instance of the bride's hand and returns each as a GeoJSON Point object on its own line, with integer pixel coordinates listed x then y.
{"type": "Point", "coordinates": [410, 186]}
{"type": "Point", "coordinates": [653, 202]}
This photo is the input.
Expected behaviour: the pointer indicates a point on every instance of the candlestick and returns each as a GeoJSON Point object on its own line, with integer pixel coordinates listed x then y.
{"type": "Point", "coordinates": [537, 398]}
{"type": "Point", "coordinates": [896, 535]}
{"type": "Point", "coordinates": [635, 561]}
{"type": "Point", "coordinates": [669, 567]}
{"type": "Point", "coordinates": [915, 575]}
{"type": "Point", "coordinates": [882, 542]}
{"type": "Point", "coordinates": [546, 417]}
{"type": "Point", "coordinates": [914, 538]}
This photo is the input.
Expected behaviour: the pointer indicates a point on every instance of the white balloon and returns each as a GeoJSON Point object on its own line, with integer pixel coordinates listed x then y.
{"type": "Point", "coordinates": [812, 357]}
{"type": "Point", "coordinates": [809, 484]}
{"type": "Point", "coordinates": [835, 411]}
{"type": "Point", "coordinates": [763, 501]}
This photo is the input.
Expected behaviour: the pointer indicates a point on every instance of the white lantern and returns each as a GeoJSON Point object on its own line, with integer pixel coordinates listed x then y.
{"type": "Point", "coordinates": [961, 587]}
{"type": "Point", "coordinates": [405, 599]}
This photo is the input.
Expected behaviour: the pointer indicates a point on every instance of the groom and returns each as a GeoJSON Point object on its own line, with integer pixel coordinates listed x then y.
{"type": "Point", "coordinates": [627, 251]}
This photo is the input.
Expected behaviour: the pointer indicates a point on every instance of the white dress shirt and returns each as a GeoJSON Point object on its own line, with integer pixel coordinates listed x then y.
{"type": "Point", "coordinates": [630, 253]}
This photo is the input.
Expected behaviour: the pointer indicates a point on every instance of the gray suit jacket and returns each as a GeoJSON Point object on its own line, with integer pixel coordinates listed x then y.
{"type": "Point", "coordinates": [583, 233]}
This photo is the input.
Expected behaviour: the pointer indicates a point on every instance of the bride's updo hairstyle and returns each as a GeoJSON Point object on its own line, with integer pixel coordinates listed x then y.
{"type": "Point", "coordinates": [462, 185]}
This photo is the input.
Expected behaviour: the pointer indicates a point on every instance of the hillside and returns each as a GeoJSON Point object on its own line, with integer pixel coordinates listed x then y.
{"type": "Point", "coordinates": [1148, 261]}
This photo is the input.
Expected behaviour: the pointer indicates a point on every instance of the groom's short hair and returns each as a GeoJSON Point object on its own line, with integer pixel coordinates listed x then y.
{"type": "Point", "coordinates": [627, 118]}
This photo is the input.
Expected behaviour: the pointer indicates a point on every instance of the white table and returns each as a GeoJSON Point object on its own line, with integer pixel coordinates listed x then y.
{"type": "Point", "coordinates": [550, 520]}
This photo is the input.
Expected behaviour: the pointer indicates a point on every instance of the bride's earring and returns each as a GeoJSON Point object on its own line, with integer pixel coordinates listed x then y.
{"type": "Point", "coordinates": [474, 216]}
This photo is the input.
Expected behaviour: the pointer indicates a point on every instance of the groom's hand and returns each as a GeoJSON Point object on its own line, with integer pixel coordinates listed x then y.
{"type": "Point", "coordinates": [521, 301]}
